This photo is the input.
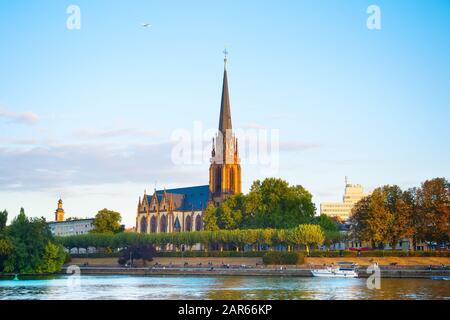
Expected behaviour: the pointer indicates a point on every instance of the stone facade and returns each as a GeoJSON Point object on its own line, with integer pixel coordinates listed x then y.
{"type": "Point", "coordinates": [175, 210]}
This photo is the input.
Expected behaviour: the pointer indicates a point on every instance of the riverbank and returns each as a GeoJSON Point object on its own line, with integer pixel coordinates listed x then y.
{"type": "Point", "coordinates": [250, 271]}
{"type": "Point", "coordinates": [391, 267]}
{"type": "Point", "coordinates": [408, 262]}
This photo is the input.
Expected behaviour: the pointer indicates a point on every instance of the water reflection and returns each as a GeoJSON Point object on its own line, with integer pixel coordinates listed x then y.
{"type": "Point", "coordinates": [224, 287]}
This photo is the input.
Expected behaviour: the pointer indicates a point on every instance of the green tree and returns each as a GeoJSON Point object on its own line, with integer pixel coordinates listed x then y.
{"type": "Point", "coordinates": [326, 223]}
{"type": "Point", "coordinates": [273, 203]}
{"type": "Point", "coordinates": [229, 213]}
{"type": "Point", "coordinates": [53, 258]}
{"type": "Point", "coordinates": [210, 218]}
{"type": "Point", "coordinates": [107, 221]}
{"type": "Point", "coordinates": [6, 249]}
{"type": "Point", "coordinates": [3, 220]}
{"type": "Point", "coordinates": [28, 242]}
{"type": "Point", "coordinates": [359, 220]}
{"type": "Point", "coordinates": [307, 235]}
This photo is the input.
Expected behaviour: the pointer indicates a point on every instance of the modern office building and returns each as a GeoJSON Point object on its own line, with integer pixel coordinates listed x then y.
{"type": "Point", "coordinates": [342, 210]}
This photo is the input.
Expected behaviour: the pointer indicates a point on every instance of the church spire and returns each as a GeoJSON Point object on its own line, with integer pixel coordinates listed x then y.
{"type": "Point", "coordinates": [225, 170]}
{"type": "Point", "coordinates": [225, 113]}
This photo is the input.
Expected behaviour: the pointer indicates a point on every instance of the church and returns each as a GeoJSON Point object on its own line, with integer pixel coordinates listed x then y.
{"type": "Point", "coordinates": [181, 209]}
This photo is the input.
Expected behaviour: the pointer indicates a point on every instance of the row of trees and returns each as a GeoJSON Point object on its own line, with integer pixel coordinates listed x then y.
{"type": "Point", "coordinates": [390, 214]}
{"type": "Point", "coordinates": [27, 246]}
{"type": "Point", "coordinates": [306, 235]}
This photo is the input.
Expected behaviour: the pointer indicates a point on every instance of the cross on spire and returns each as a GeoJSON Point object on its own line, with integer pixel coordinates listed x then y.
{"type": "Point", "coordinates": [225, 53]}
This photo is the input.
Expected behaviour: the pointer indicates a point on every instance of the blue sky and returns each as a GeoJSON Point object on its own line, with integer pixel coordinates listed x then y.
{"type": "Point", "coordinates": [88, 114]}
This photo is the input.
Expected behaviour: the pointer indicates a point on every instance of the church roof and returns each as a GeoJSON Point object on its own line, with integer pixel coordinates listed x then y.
{"type": "Point", "coordinates": [186, 199]}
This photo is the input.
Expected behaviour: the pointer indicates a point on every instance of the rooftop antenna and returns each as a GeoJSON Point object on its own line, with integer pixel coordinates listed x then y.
{"type": "Point", "coordinates": [346, 180]}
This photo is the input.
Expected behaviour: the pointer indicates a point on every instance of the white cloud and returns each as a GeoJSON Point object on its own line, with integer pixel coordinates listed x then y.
{"type": "Point", "coordinates": [89, 133]}
{"type": "Point", "coordinates": [293, 146]}
{"type": "Point", "coordinates": [54, 166]}
{"type": "Point", "coordinates": [253, 125]}
{"type": "Point", "coordinates": [26, 117]}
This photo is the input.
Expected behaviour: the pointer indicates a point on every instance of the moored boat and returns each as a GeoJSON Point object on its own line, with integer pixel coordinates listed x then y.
{"type": "Point", "coordinates": [340, 270]}
{"type": "Point", "coordinates": [444, 278]}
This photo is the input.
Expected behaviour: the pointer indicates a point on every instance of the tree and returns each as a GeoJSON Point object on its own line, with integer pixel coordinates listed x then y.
{"type": "Point", "coordinates": [379, 216]}
{"type": "Point", "coordinates": [27, 247]}
{"type": "Point", "coordinates": [326, 223]}
{"type": "Point", "coordinates": [332, 237]}
{"type": "Point", "coordinates": [3, 219]}
{"type": "Point", "coordinates": [432, 211]}
{"type": "Point", "coordinates": [273, 203]}
{"type": "Point", "coordinates": [370, 219]}
{"type": "Point", "coordinates": [359, 220]}
{"type": "Point", "coordinates": [6, 249]}
{"type": "Point", "coordinates": [210, 218]}
{"type": "Point", "coordinates": [107, 221]}
{"type": "Point", "coordinates": [146, 252]}
{"type": "Point", "coordinates": [53, 258]}
{"type": "Point", "coordinates": [229, 213]}
{"type": "Point", "coordinates": [399, 204]}
{"type": "Point", "coordinates": [307, 235]}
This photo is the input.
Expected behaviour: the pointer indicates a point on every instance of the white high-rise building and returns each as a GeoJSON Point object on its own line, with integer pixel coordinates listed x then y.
{"type": "Point", "coordinates": [342, 210]}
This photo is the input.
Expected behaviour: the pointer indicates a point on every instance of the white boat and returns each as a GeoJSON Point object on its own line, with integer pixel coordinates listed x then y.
{"type": "Point", "coordinates": [441, 278]}
{"type": "Point", "coordinates": [341, 270]}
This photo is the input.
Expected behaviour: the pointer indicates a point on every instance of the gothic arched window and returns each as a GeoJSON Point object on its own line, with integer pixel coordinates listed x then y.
{"type": "Point", "coordinates": [188, 225]}
{"type": "Point", "coordinates": [143, 225]}
{"type": "Point", "coordinates": [231, 179]}
{"type": "Point", "coordinates": [177, 225]}
{"type": "Point", "coordinates": [153, 225]}
{"type": "Point", "coordinates": [218, 179]}
{"type": "Point", "coordinates": [198, 223]}
{"type": "Point", "coordinates": [163, 224]}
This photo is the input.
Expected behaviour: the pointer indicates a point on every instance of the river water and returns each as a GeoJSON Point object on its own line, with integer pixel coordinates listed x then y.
{"type": "Point", "coordinates": [217, 287]}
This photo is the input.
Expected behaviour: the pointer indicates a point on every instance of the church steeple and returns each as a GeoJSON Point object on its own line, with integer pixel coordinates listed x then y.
{"type": "Point", "coordinates": [59, 213]}
{"type": "Point", "coordinates": [225, 113]}
{"type": "Point", "coordinates": [225, 170]}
